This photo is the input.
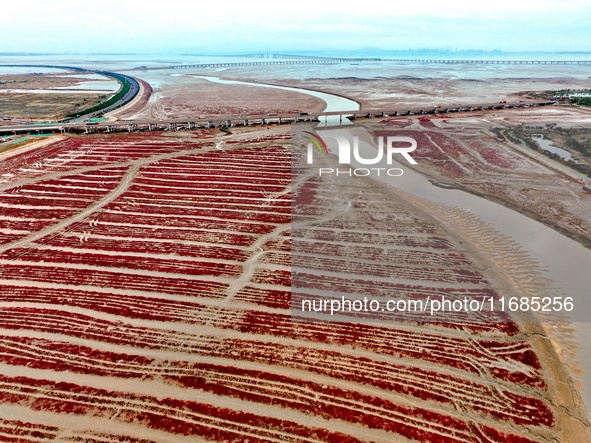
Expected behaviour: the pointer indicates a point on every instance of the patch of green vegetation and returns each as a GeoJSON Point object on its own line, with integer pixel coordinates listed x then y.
{"type": "Point", "coordinates": [125, 87]}
{"type": "Point", "coordinates": [573, 138]}
{"type": "Point", "coordinates": [581, 101]}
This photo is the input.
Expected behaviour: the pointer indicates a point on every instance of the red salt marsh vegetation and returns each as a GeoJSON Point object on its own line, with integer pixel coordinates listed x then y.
{"type": "Point", "coordinates": [146, 296]}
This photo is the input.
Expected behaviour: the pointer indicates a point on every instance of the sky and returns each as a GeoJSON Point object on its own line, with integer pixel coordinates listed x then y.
{"type": "Point", "coordinates": [229, 26]}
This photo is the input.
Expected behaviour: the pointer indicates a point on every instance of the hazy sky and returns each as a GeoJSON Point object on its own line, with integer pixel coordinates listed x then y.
{"type": "Point", "coordinates": [252, 26]}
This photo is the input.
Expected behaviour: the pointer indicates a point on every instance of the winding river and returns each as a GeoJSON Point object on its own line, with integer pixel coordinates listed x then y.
{"type": "Point", "coordinates": [334, 103]}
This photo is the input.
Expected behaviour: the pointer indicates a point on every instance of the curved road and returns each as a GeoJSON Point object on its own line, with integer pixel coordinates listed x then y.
{"type": "Point", "coordinates": [129, 96]}
{"type": "Point", "coordinates": [133, 90]}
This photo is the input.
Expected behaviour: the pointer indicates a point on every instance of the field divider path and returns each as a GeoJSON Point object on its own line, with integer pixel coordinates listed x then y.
{"type": "Point", "coordinates": [126, 181]}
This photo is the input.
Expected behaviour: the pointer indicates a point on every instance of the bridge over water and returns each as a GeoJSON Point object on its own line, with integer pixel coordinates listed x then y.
{"type": "Point", "coordinates": [246, 120]}
{"type": "Point", "coordinates": [331, 60]}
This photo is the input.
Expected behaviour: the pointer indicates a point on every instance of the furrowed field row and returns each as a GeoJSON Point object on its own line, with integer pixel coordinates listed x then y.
{"type": "Point", "coordinates": [22, 199]}
{"type": "Point", "coordinates": [243, 226]}
{"type": "Point", "coordinates": [265, 167]}
{"type": "Point", "coordinates": [151, 233]}
{"type": "Point", "coordinates": [396, 377]}
{"type": "Point", "coordinates": [427, 385]}
{"type": "Point", "coordinates": [365, 285]}
{"type": "Point", "coordinates": [264, 205]}
{"type": "Point", "coordinates": [37, 213]}
{"type": "Point", "coordinates": [282, 199]}
{"type": "Point", "coordinates": [115, 280]}
{"type": "Point", "coordinates": [136, 307]}
{"type": "Point", "coordinates": [8, 238]}
{"type": "Point", "coordinates": [338, 284]}
{"type": "Point", "coordinates": [218, 176]}
{"type": "Point", "coordinates": [145, 245]}
{"type": "Point", "coordinates": [376, 269]}
{"type": "Point", "coordinates": [254, 386]}
{"type": "Point", "coordinates": [436, 348]}
{"type": "Point", "coordinates": [166, 192]}
{"type": "Point", "coordinates": [471, 356]}
{"type": "Point", "coordinates": [66, 190]}
{"type": "Point", "coordinates": [158, 171]}
{"type": "Point", "coordinates": [408, 380]}
{"type": "Point", "coordinates": [45, 320]}
{"type": "Point", "coordinates": [277, 258]}
{"type": "Point", "coordinates": [404, 220]}
{"type": "Point", "coordinates": [279, 155]}
{"type": "Point", "coordinates": [261, 221]}
{"type": "Point", "coordinates": [484, 323]}
{"type": "Point", "coordinates": [15, 207]}
{"type": "Point", "coordinates": [92, 328]}
{"type": "Point", "coordinates": [18, 431]}
{"type": "Point", "coordinates": [272, 298]}
{"type": "Point", "coordinates": [221, 184]}
{"type": "Point", "coordinates": [266, 213]}
{"type": "Point", "coordinates": [322, 237]}
{"type": "Point", "coordinates": [169, 415]}
{"type": "Point", "coordinates": [106, 260]}
{"type": "Point", "coordinates": [24, 224]}
{"type": "Point", "coordinates": [220, 159]}
{"type": "Point", "coordinates": [379, 252]}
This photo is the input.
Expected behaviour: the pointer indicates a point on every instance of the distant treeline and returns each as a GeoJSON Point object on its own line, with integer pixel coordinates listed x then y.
{"type": "Point", "coordinates": [520, 134]}
{"type": "Point", "coordinates": [582, 101]}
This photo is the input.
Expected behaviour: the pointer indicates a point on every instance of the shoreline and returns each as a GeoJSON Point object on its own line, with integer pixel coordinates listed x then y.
{"type": "Point", "coordinates": [288, 85]}
{"type": "Point", "coordinates": [583, 241]}
{"type": "Point", "coordinates": [546, 336]}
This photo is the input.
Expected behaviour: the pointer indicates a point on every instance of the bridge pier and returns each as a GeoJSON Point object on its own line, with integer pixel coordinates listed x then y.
{"type": "Point", "coordinates": [245, 122]}
{"type": "Point", "coordinates": [263, 121]}
{"type": "Point", "coordinates": [228, 123]}
{"type": "Point", "coordinates": [151, 126]}
{"type": "Point", "coordinates": [190, 125]}
{"type": "Point", "coordinates": [172, 127]}
{"type": "Point", "coordinates": [280, 121]}
{"type": "Point", "coordinates": [131, 128]}
{"type": "Point", "coordinates": [210, 124]}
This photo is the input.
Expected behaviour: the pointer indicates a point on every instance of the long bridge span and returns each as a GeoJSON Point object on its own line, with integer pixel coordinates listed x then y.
{"type": "Point", "coordinates": [328, 61]}
{"type": "Point", "coordinates": [246, 120]}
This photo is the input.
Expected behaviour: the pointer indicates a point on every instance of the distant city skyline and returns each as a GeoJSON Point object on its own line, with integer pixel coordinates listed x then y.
{"type": "Point", "coordinates": [34, 26]}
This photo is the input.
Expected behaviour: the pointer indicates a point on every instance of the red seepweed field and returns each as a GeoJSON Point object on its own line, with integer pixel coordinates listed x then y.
{"type": "Point", "coordinates": [146, 293]}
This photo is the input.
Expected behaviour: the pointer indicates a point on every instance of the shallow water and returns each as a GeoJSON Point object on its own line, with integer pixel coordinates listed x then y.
{"type": "Point", "coordinates": [105, 86]}
{"type": "Point", "coordinates": [562, 260]}
{"type": "Point", "coordinates": [549, 146]}
{"type": "Point", "coordinates": [333, 102]}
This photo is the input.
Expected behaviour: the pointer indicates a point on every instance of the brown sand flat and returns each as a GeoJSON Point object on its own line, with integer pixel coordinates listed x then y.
{"type": "Point", "coordinates": [180, 97]}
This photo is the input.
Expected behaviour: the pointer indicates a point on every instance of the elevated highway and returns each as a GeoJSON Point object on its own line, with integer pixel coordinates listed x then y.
{"type": "Point", "coordinates": [328, 61]}
{"type": "Point", "coordinates": [248, 120]}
